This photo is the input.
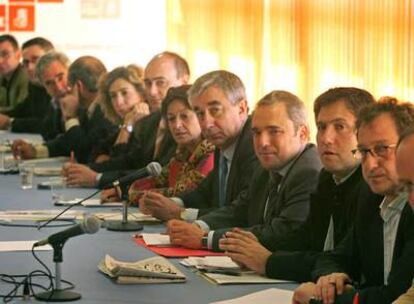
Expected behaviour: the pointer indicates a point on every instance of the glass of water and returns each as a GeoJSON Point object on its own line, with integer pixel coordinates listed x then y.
{"type": "Point", "coordinates": [58, 188]}
{"type": "Point", "coordinates": [26, 176]}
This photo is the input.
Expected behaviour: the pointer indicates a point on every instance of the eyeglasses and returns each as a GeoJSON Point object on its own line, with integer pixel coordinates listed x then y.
{"type": "Point", "coordinates": [381, 151]}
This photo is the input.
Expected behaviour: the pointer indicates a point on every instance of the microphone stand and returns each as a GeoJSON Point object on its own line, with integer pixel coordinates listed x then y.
{"type": "Point", "coordinates": [57, 294]}
{"type": "Point", "coordinates": [124, 224]}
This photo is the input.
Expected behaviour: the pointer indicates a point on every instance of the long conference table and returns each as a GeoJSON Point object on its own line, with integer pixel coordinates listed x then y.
{"type": "Point", "coordinates": [82, 254]}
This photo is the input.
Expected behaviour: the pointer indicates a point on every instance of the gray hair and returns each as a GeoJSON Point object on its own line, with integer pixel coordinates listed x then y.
{"type": "Point", "coordinates": [229, 83]}
{"type": "Point", "coordinates": [295, 107]}
{"type": "Point", "coordinates": [48, 59]}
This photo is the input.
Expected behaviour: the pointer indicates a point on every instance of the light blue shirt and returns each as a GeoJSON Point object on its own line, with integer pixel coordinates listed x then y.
{"type": "Point", "coordinates": [390, 212]}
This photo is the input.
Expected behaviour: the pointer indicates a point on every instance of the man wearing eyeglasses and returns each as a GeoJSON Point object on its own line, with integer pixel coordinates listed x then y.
{"type": "Point", "coordinates": [13, 79]}
{"type": "Point", "coordinates": [373, 264]}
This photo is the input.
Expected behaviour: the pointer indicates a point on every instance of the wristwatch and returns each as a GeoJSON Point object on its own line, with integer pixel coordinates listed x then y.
{"type": "Point", "coordinates": [204, 242]}
{"type": "Point", "coordinates": [128, 128]}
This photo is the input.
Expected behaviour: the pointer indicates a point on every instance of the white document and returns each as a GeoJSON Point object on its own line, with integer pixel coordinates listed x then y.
{"type": "Point", "coordinates": [132, 216]}
{"type": "Point", "coordinates": [37, 215]}
{"type": "Point", "coordinates": [21, 246]}
{"type": "Point", "coordinates": [156, 239]}
{"type": "Point", "coordinates": [242, 278]}
{"type": "Point", "coordinates": [272, 295]}
{"type": "Point", "coordinates": [59, 159]}
{"type": "Point", "coordinates": [47, 171]}
{"type": "Point", "coordinates": [96, 202]}
{"type": "Point", "coordinates": [222, 262]}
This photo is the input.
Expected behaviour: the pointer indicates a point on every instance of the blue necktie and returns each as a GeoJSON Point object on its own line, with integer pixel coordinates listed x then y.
{"type": "Point", "coordinates": [223, 180]}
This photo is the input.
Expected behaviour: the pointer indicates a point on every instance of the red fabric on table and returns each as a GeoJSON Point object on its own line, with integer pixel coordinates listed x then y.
{"type": "Point", "coordinates": [176, 252]}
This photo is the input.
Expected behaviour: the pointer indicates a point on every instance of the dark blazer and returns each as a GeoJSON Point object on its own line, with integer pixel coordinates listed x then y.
{"type": "Point", "coordinates": [29, 114]}
{"type": "Point", "coordinates": [14, 91]}
{"type": "Point", "coordinates": [52, 123]}
{"type": "Point", "coordinates": [361, 254]}
{"type": "Point", "coordinates": [285, 212]}
{"type": "Point", "coordinates": [140, 151]}
{"type": "Point", "coordinates": [81, 138]}
{"type": "Point", "coordinates": [295, 253]}
{"type": "Point", "coordinates": [206, 196]}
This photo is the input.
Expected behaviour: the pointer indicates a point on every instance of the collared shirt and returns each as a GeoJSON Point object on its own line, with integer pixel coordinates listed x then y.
{"type": "Point", "coordinates": [330, 235]}
{"type": "Point", "coordinates": [391, 213]}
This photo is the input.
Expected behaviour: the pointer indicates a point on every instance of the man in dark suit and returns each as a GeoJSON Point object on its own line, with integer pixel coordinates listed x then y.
{"type": "Point", "coordinates": [373, 263]}
{"type": "Point", "coordinates": [332, 205]}
{"type": "Point", "coordinates": [13, 78]}
{"type": "Point", "coordinates": [28, 115]}
{"type": "Point", "coordinates": [277, 200]}
{"type": "Point", "coordinates": [83, 118]}
{"type": "Point", "coordinates": [219, 100]}
{"type": "Point", "coordinates": [52, 72]}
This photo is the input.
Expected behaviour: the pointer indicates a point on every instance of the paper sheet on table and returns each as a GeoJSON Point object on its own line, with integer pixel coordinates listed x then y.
{"type": "Point", "coordinates": [156, 239]}
{"type": "Point", "coordinates": [272, 295]}
{"type": "Point", "coordinates": [21, 246]}
{"type": "Point", "coordinates": [47, 171]}
{"type": "Point", "coordinates": [95, 202]}
{"type": "Point", "coordinates": [132, 216]}
{"type": "Point", "coordinates": [59, 159]}
{"type": "Point", "coordinates": [37, 215]}
{"type": "Point", "coordinates": [244, 278]}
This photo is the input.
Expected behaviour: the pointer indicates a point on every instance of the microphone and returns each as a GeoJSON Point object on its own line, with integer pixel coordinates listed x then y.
{"type": "Point", "coordinates": [89, 225]}
{"type": "Point", "coordinates": [152, 169]}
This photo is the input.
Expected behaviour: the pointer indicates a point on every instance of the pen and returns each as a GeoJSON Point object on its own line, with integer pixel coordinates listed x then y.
{"type": "Point", "coordinates": [72, 156]}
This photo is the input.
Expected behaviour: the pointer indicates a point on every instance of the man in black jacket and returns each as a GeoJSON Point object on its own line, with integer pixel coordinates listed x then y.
{"type": "Point", "coordinates": [332, 205]}
{"type": "Point", "coordinates": [28, 115]}
{"type": "Point", "coordinates": [84, 122]}
{"type": "Point", "coordinates": [277, 199]}
{"type": "Point", "coordinates": [219, 100]}
{"type": "Point", "coordinates": [13, 77]}
{"type": "Point", "coordinates": [373, 263]}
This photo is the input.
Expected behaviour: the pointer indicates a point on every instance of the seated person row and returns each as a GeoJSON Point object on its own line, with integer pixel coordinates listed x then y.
{"type": "Point", "coordinates": [373, 263]}
{"type": "Point", "coordinates": [151, 140]}
{"type": "Point", "coordinates": [122, 99]}
{"type": "Point", "coordinates": [27, 116]}
{"type": "Point", "coordinates": [332, 205]}
{"type": "Point", "coordinates": [85, 124]}
{"type": "Point", "coordinates": [194, 157]}
{"type": "Point", "coordinates": [276, 200]}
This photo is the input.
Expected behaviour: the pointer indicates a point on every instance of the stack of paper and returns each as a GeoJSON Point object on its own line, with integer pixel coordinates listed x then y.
{"type": "Point", "coordinates": [38, 215]}
{"type": "Point", "coordinates": [152, 270]}
{"type": "Point", "coordinates": [213, 264]}
{"type": "Point", "coordinates": [222, 270]}
{"type": "Point", "coordinates": [156, 239]}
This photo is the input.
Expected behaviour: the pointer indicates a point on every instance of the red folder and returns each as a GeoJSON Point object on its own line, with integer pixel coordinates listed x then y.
{"type": "Point", "coordinates": [176, 252]}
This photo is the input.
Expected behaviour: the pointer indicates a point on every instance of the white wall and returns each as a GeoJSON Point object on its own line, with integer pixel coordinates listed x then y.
{"type": "Point", "coordinates": [138, 33]}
